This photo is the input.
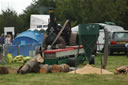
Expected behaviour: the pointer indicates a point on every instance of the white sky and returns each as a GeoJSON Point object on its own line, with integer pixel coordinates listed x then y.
{"type": "Point", "coordinates": [17, 5]}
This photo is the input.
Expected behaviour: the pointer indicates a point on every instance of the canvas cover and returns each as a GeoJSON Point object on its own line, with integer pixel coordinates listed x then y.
{"type": "Point", "coordinates": [25, 43]}
{"type": "Point", "coordinates": [28, 37]}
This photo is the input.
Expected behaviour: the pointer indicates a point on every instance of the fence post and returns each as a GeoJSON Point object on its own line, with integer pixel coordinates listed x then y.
{"type": "Point", "coordinates": [105, 49]}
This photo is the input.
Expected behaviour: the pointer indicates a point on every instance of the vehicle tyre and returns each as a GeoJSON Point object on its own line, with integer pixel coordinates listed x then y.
{"type": "Point", "coordinates": [72, 40]}
{"type": "Point", "coordinates": [94, 50]}
{"type": "Point", "coordinates": [62, 42]}
{"type": "Point", "coordinates": [72, 62]}
{"type": "Point", "coordinates": [126, 53]}
{"type": "Point", "coordinates": [92, 59]}
{"type": "Point", "coordinates": [110, 52]}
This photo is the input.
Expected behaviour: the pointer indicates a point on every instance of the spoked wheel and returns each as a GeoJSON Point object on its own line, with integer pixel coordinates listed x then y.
{"type": "Point", "coordinates": [73, 39]}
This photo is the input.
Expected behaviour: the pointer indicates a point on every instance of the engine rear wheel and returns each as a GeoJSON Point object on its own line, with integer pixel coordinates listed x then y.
{"type": "Point", "coordinates": [73, 39]}
{"type": "Point", "coordinates": [62, 43]}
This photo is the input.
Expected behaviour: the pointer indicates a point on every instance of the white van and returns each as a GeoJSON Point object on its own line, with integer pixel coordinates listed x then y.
{"type": "Point", "coordinates": [110, 28]}
{"type": "Point", "coordinates": [100, 42]}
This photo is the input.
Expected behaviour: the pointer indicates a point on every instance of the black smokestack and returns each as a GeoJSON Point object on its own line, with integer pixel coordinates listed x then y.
{"type": "Point", "coordinates": [52, 16]}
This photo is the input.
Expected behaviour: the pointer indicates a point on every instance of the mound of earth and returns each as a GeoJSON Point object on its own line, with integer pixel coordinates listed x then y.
{"type": "Point", "coordinates": [88, 69]}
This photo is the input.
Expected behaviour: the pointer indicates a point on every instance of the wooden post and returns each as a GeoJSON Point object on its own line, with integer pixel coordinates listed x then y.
{"type": "Point", "coordinates": [105, 48]}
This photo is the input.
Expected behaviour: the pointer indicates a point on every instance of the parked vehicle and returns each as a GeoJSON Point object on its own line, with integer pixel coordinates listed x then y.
{"type": "Point", "coordinates": [39, 22]}
{"type": "Point", "coordinates": [117, 41]}
{"type": "Point", "coordinates": [110, 28]}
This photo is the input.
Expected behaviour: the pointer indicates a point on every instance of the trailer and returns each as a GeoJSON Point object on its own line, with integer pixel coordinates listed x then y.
{"type": "Point", "coordinates": [64, 56]}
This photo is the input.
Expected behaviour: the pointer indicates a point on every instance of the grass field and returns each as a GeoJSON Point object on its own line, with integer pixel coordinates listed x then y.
{"type": "Point", "coordinates": [70, 79]}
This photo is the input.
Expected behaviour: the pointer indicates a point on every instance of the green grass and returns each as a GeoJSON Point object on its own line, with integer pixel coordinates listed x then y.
{"type": "Point", "coordinates": [113, 62]}
{"type": "Point", "coordinates": [12, 64]}
{"type": "Point", "coordinates": [63, 79]}
{"type": "Point", "coordinates": [70, 79]}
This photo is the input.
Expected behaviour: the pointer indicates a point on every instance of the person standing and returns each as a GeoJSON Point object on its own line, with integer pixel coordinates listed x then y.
{"type": "Point", "coordinates": [2, 39]}
{"type": "Point", "coordinates": [8, 39]}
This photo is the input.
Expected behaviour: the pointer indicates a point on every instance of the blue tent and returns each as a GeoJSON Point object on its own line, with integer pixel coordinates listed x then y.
{"type": "Point", "coordinates": [28, 37]}
{"type": "Point", "coordinates": [27, 42]}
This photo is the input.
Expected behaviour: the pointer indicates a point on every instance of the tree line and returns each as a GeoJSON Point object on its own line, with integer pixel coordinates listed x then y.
{"type": "Point", "coordinates": [77, 11]}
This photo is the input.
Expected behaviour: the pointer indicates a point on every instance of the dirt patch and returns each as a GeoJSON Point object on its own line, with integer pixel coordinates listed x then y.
{"type": "Point", "coordinates": [88, 69]}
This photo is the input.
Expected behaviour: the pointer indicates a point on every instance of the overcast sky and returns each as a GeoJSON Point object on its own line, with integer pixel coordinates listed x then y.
{"type": "Point", "coordinates": [17, 5]}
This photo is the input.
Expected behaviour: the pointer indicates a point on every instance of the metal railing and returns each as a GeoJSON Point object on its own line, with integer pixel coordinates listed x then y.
{"type": "Point", "coordinates": [26, 50]}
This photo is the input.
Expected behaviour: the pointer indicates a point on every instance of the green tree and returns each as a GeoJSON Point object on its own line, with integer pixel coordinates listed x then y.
{"type": "Point", "coordinates": [68, 9]}
{"type": "Point", "coordinates": [93, 11]}
{"type": "Point", "coordinates": [122, 8]}
{"type": "Point", "coordinates": [80, 11]}
{"type": "Point", "coordinates": [9, 18]}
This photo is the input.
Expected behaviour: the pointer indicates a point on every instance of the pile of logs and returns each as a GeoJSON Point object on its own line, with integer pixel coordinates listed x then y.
{"type": "Point", "coordinates": [34, 65]}
{"type": "Point", "coordinates": [41, 68]}
{"type": "Point", "coordinates": [44, 68]}
{"type": "Point", "coordinates": [54, 68]}
{"type": "Point", "coordinates": [122, 70]}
